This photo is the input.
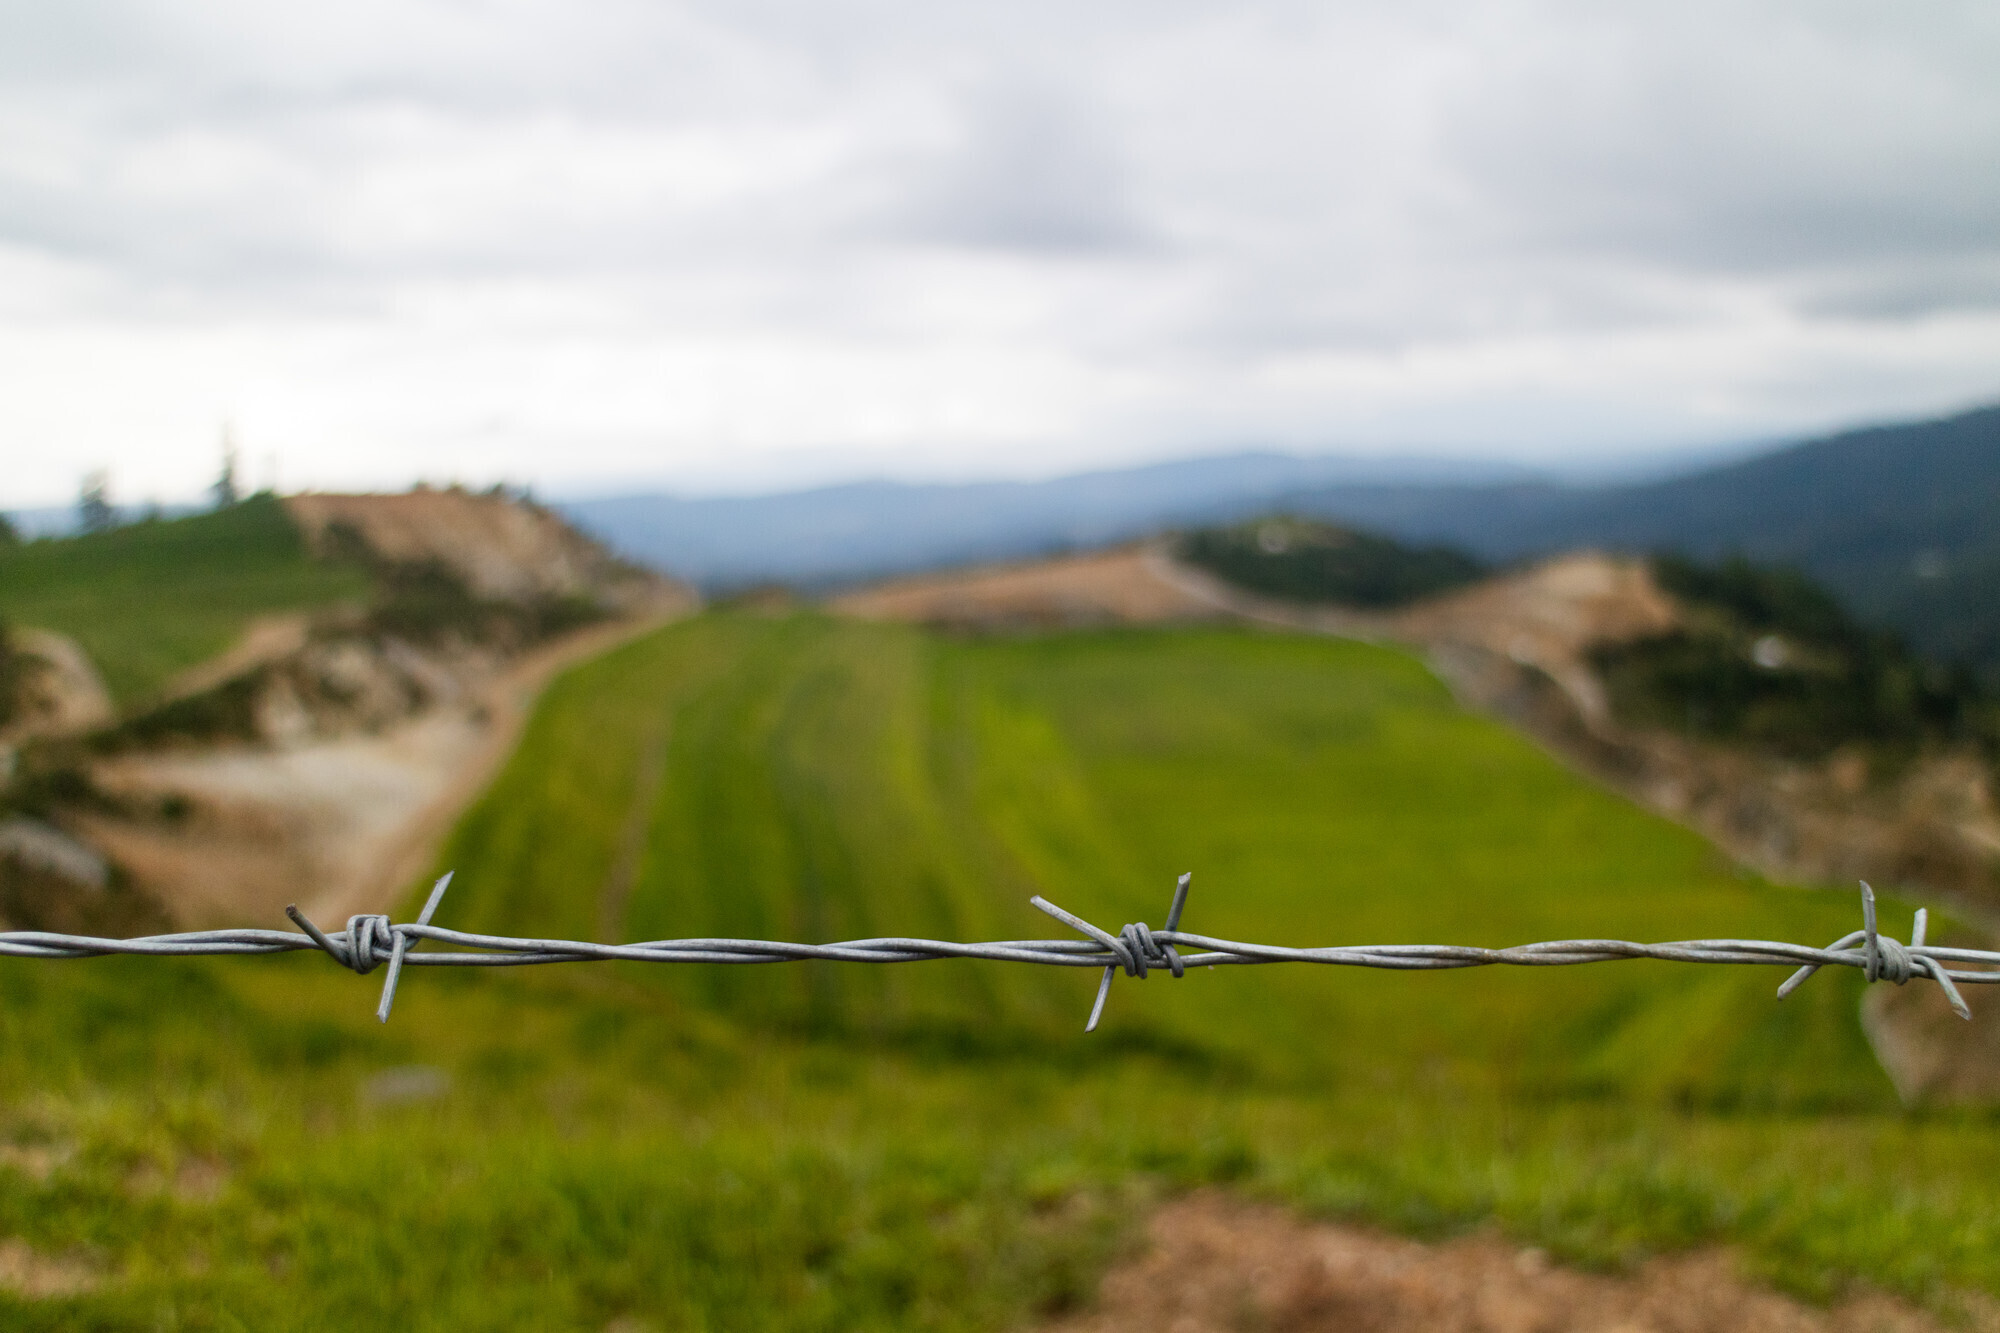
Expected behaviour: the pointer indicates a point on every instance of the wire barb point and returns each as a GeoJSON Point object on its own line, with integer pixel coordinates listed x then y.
{"type": "Point", "coordinates": [1135, 948]}
{"type": "Point", "coordinates": [1883, 958]}
{"type": "Point", "coordinates": [402, 948]}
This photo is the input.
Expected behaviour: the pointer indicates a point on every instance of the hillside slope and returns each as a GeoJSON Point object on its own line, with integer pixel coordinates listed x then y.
{"type": "Point", "coordinates": [1532, 645]}
{"type": "Point", "coordinates": [800, 777]}
{"type": "Point", "coordinates": [236, 1143]}
{"type": "Point", "coordinates": [154, 598]}
{"type": "Point", "coordinates": [315, 754]}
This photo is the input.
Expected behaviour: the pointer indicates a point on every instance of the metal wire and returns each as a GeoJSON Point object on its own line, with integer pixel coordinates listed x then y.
{"type": "Point", "coordinates": [1136, 950]}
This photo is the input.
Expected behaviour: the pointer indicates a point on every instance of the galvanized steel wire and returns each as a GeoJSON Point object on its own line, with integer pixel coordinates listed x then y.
{"type": "Point", "coordinates": [370, 941]}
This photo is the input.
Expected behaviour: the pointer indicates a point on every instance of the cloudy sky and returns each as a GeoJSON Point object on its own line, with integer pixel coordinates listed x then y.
{"type": "Point", "coordinates": [772, 242]}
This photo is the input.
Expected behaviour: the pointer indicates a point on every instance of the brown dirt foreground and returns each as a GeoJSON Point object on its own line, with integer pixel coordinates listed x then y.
{"type": "Point", "coordinates": [1218, 1265]}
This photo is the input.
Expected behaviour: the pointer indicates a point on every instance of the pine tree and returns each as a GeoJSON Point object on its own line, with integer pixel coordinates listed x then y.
{"type": "Point", "coordinates": [224, 491]}
{"type": "Point", "coordinates": [93, 503]}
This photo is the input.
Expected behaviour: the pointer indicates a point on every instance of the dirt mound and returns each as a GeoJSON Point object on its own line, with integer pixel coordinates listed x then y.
{"type": "Point", "coordinates": [1214, 1264]}
{"type": "Point", "coordinates": [1116, 587]}
{"type": "Point", "coordinates": [37, 847]}
{"type": "Point", "coordinates": [501, 547]}
{"type": "Point", "coordinates": [1549, 617]}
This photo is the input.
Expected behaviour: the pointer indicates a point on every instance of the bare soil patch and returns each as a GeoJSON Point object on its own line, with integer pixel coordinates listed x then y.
{"type": "Point", "coordinates": [1217, 1265]}
{"type": "Point", "coordinates": [29, 1272]}
{"type": "Point", "coordinates": [1116, 587]}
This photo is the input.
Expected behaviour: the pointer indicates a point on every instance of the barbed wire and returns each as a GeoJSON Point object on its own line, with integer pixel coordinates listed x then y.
{"type": "Point", "coordinates": [1136, 950]}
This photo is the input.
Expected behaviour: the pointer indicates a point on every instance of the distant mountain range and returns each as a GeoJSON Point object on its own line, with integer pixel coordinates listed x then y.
{"type": "Point", "coordinates": [843, 534]}
{"type": "Point", "coordinates": [1901, 521]}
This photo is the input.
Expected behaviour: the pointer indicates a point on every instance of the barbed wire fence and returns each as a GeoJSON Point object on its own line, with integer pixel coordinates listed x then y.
{"type": "Point", "coordinates": [373, 940]}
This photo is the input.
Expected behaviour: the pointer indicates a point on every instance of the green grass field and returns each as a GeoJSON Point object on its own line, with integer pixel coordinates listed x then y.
{"type": "Point", "coordinates": [151, 599]}
{"type": "Point", "coordinates": [938, 1145]}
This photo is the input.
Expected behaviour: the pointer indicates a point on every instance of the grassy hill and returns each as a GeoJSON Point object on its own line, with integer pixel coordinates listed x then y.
{"type": "Point", "coordinates": [818, 779]}
{"type": "Point", "coordinates": [153, 598]}
{"type": "Point", "coordinates": [1822, 681]}
{"type": "Point", "coordinates": [937, 1145]}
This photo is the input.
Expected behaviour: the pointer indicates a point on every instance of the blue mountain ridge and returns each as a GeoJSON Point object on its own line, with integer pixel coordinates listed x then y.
{"type": "Point", "coordinates": [1901, 521]}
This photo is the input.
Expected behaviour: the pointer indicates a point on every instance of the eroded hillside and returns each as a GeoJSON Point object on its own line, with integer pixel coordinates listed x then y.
{"type": "Point", "coordinates": [318, 754]}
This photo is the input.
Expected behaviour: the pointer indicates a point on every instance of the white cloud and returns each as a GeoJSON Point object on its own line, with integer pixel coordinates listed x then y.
{"type": "Point", "coordinates": [743, 243]}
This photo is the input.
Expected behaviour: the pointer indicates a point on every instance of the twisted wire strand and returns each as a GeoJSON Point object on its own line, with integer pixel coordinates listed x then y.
{"type": "Point", "coordinates": [371, 941]}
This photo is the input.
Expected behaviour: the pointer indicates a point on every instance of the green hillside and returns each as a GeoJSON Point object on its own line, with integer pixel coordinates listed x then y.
{"type": "Point", "coordinates": [150, 599]}
{"type": "Point", "coordinates": [827, 780]}
{"type": "Point", "coordinates": [938, 1145]}
{"type": "Point", "coordinates": [1768, 659]}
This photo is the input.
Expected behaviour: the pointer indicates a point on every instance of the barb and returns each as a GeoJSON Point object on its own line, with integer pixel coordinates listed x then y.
{"type": "Point", "coordinates": [1135, 947]}
{"type": "Point", "coordinates": [1884, 959]}
{"type": "Point", "coordinates": [1136, 950]}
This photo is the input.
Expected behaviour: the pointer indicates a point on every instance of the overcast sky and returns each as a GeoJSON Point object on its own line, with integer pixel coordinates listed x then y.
{"type": "Point", "coordinates": [766, 242]}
